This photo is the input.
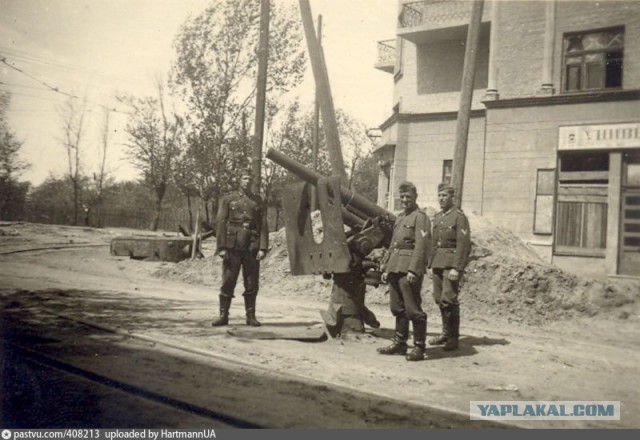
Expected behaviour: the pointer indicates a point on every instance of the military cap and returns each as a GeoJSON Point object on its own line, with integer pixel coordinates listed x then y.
{"type": "Point", "coordinates": [407, 186]}
{"type": "Point", "coordinates": [445, 187]}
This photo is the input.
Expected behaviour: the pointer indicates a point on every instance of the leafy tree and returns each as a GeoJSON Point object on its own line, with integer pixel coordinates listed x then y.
{"type": "Point", "coordinates": [215, 73]}
{"type": "Point", "coordinates": [12, 192]}
{"type": "Point", "coordinates": [292, 135]}
{"type": "Point", "coordinates": [155, 141]}
{"type": "Point", "coordinates": [364, 178]}
{"type": "Point", "coordinates": [52, 202]}
{"type": "Point", "coordinates": [355, 142]}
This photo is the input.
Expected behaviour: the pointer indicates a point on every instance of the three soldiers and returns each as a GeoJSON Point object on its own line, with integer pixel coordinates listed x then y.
{"type": "Point", "coordinates": [242, 241]}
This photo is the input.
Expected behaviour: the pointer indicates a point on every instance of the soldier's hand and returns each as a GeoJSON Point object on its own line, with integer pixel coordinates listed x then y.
{"type": "Point", "coordinates": [430, 272]}
{"type": "Point", "coordinates": [454, 275]}
{"type": "Point", "coordinates": [411, 277]}
{"type": "Point", "coordinates": [383, 277]}
{"type": "Point", "coordinates": [261, 255]}
{"type": "Point", "coordinates": [223, 254]}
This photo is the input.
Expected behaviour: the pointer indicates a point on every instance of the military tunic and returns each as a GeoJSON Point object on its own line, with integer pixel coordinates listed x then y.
{"type": "Point", "coordinates": [407, 253]}
{"type": "Point", "coordinates": [450, 248]}
{"type": "Point", "coordinates": [241, 231]}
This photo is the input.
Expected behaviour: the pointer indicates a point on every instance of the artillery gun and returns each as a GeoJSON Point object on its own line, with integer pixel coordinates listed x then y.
{"type": "Point", "coordinates": [340, 255]}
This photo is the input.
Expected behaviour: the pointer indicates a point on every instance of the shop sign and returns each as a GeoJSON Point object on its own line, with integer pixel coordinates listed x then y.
{"type": "Point", "coordinates": [604, 136]}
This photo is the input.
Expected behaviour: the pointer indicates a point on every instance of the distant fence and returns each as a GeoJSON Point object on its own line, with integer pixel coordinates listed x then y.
{"type": "Point", "coordinates": [169, 220]}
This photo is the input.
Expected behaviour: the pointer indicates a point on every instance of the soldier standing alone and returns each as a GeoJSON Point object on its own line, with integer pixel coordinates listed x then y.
{"type": "Point", "coordinates": [450, 246]}
{"type": "Point", "coordinates": [404, 271]}
{"type": "Point", "coordinates": [242, 241]}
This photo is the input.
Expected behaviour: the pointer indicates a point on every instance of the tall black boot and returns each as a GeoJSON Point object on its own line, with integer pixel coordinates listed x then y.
{"type": "Point", "coordinates": [250, 308]}
{"type": "Point", "coordinates": [225, 305]}
{"type": "Point", "coordinates": [399, 345]}
{"type": "Point", "coordinates": [444, 336]}
{"type": "Point", "coordinates": [419, 336]}
{"type": "Point", "coordinates": [454, 328]}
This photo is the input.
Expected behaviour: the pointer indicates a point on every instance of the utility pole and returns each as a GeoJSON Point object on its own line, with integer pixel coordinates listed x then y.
{"type": "Point", "coordinates": [316, 126]}
{"type": "Point", "coordinates": [324, 93]}
{"type": "Point", "coordinates": [263, 59]}
{"type": "Point", "coordinates": [466, 95]}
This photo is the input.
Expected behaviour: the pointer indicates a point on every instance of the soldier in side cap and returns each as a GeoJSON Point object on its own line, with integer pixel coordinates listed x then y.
{"type": "Point", "coordinates": [404, 271]}
{"type": "Point", "coordinates": [450, 248]}
{"type": "Point", "coordinates": [242, 241]}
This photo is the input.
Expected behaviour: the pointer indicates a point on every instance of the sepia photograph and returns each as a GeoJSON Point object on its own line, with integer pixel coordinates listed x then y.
{"type": "Point", "coordinates": [225, 216]}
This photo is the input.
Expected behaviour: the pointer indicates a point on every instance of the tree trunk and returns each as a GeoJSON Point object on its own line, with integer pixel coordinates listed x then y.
{"type": "Point", "coordinates": [75, 203]}
{"type": "Point", "coordinates": [156, 220]}
{"type": "Point", "coordinates": [206, 211]}
{"type": "Point", "coordinates": [190, 213]}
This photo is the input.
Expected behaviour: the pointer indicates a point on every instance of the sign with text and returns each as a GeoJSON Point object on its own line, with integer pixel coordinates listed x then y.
{"type": "Point", "coordinates": [596, 137]}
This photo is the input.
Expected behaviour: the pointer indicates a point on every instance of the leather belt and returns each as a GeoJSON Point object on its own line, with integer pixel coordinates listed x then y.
{"type": "Point", "coordinates": [246, 225]}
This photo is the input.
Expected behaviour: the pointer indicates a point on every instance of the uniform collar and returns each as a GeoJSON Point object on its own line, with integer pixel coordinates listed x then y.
{"type": "Point", "coordinates": [449, 211]}
{"type": "Point", "coordinates": [415, 208]}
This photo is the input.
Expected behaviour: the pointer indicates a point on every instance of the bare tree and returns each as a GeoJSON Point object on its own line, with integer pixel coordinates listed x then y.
{"type": "Point", "coordinates": [95, 197]}
{"type": "Point", "coordinates": [155, 137]}
{"type": "Point", "coordinates": [72, 114]}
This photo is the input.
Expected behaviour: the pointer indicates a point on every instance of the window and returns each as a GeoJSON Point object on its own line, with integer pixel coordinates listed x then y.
{"type": "Point", "coordinates": [447, 170]}
{"type": "Point", "coordinates": [593, 60]}
{"type": "Point", "coordinates": [581, 216]}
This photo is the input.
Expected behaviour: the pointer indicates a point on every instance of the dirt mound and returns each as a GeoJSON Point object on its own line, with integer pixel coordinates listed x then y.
{"type": "Point", "coordinates": [505, 279]}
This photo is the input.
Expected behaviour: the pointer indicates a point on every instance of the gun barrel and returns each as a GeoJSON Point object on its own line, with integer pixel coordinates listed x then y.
{"type": "Point", "coordinates": [348, 197]}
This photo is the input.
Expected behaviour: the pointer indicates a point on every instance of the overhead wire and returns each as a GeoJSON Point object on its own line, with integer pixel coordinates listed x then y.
{"type": "Point", "coordinates": [35, 59]}
{"type": "Point", "coordinates": [58, 90]}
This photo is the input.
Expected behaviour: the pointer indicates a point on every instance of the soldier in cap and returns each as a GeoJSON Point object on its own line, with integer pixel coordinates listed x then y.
{"type": "Point", "coordinates": [404, 271]}
{"type": "Point", "coordinates": [242, 241]}
{"type": "Point", "coordinates": [450, 248]}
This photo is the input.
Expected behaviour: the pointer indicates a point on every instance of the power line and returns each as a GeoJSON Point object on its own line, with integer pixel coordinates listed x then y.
{"type": "Point", "coordinates": [35, 59]}
{"type": "Point", "coordinates": [20, 85]}
{"type": "Point", "coordinates": [56, 89]}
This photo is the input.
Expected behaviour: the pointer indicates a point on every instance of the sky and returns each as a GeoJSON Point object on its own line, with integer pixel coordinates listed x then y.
{"type": "Point", "coordinates": [101, 48]}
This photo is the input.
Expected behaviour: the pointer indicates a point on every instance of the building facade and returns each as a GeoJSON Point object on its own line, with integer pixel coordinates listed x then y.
{"type": "Point", "coordinates": [553, 152]}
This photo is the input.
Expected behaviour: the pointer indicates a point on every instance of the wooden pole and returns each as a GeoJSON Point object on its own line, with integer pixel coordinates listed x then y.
{"type": "Point", "coordinates": [194, 246]}
{"type": "Point", "coordinates": [263, 59]}
{"type": "Point", "coordinates": [316, 128]}
{"type": "Point", "coordinates": [466, 95]}
{"type": "Point", "coordinates": [324, 93]}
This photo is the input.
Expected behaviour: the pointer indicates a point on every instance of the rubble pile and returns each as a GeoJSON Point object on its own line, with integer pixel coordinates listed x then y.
{"type": "Point", "coordinates": [505, 279]}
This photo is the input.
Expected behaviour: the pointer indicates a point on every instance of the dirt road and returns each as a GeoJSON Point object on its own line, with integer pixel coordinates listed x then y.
{"type": "Point", "coordinates": [581, 359]}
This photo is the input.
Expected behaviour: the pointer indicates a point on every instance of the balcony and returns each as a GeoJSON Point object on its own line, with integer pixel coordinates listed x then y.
{"type": "Point", "coordinates": [386, 59]}
{"type": "Point", "coordinates": [436, 20]}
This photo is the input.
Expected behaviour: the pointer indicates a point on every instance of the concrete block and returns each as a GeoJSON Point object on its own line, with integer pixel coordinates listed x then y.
{"type": "Point", "coordinates": [172, 249]}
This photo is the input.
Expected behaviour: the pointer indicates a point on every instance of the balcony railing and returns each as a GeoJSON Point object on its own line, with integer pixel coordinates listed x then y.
{"type": "Point", "coordinates": [386, 55]}
{"type": "Point", "coordinates": [433, 12]}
